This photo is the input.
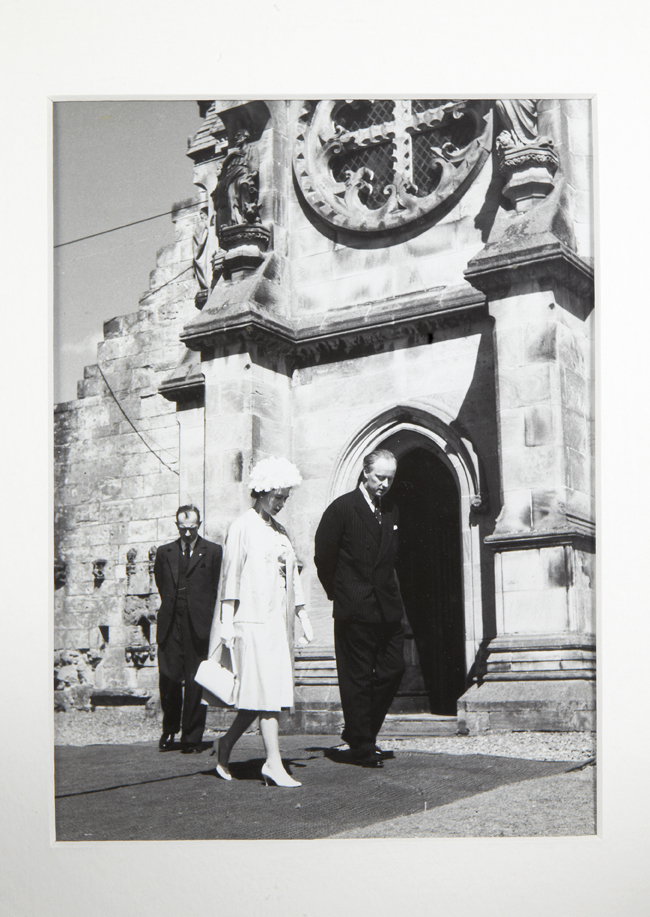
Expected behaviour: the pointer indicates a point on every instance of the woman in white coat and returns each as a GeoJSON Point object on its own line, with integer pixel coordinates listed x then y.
{"type": "Point", "coordinates": [260, 597]}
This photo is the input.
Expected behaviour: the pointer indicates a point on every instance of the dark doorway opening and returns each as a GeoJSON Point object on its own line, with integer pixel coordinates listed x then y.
{"type": "Point", "coordinates": [429, 567]}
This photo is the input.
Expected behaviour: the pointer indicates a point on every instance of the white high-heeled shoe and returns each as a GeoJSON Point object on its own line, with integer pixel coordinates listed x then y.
{"type": "Point", "coordinates": [221, 769]}
{"type": "Point", "coordinates": [278, 779]}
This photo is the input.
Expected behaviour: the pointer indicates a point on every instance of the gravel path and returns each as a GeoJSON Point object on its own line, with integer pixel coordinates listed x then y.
{"type": "Point", "coordinates": [537, 746]}
{"type": "Point", "coordinates": [117, 727]}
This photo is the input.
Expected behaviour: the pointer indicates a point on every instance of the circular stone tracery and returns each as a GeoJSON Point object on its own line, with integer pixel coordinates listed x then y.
{"type": "Point", "coordinates": [370, 165]}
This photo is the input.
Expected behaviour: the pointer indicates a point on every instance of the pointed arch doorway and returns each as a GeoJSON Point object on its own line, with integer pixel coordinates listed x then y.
{"type": "Point", "coordinates": [430, 571]}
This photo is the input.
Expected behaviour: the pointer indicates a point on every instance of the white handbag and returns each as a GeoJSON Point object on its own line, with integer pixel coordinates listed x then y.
{"type": "Point", "coordinates": [217, 679]}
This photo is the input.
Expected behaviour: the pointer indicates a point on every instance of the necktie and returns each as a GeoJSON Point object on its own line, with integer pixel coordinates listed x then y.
{"type": "Point", "coordinates": [377, 506]}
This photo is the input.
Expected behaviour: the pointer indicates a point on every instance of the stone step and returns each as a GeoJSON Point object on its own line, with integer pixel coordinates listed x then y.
{"type": "Point", "coordinates": [419, 724]}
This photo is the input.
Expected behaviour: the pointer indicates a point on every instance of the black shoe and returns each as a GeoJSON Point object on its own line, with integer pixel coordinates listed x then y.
{"type": "Point", "coordinates": [191, 749]}
{"type": "Point", "coordinates": [166, 741]}
{"type": "Point", "coordinates": [368, 760]}
{"type": "Point", "coordinates": [384, 755]}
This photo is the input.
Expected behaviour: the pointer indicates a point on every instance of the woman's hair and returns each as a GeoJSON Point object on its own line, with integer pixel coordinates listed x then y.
{"type": "Point", "coordinates": [273, 474]}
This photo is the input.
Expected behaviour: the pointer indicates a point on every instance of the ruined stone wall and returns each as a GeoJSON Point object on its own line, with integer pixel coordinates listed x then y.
{"type": "Point", "coordinates": [115, 499]}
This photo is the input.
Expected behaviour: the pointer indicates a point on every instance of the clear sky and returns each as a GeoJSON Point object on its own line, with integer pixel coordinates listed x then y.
{"type": "Point", "coordinates": [114, 163]}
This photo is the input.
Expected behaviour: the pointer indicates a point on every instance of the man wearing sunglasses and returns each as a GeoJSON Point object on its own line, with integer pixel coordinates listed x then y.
{"type": "Point", "coordinates": [187, 576]}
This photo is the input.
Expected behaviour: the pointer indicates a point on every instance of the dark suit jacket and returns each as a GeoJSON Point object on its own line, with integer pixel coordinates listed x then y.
{"type": "Point", "coordinates": [202, 583]}
{"type": "Point", "coordinates": [355, 560]}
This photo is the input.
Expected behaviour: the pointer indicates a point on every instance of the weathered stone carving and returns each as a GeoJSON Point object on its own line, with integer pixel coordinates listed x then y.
{"type": "Point", "coordinates": [139, 656]}
{"type": "Point", "coordinates": [152, 558]}
{"type": "Point", "coordinates": [527, 160]}
{"type": "Point", "coordinates": [200, 257]}
{"type": "Point", "coordinates": [479, 504]}
{"type": "Point", "coordinates": [60, 573]}
{"type": "Point", "coordinates": [237, 208]}
{"type": "Point", "coordinates": [131, 555]}
{"type": "Point", "coordinates": [74, 677]}
{"type": "Point", "coordinates": [237, 191]}
{"type": "Point", "coordinates": [372, 165]}
{"type": "Point", "coordinates": [99, 574]}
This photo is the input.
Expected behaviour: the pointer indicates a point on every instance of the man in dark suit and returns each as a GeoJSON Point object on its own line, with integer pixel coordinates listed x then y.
{"type": "Point", "coordinates": [356, 544]}
{"type": "Point", "coordinates": [187, 576]}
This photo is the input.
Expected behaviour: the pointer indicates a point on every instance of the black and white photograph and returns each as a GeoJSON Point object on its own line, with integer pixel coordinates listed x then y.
{"type": "Point", "coordinates": [341, 446]}
{"type": "Point", "coordinates": [323, 354]}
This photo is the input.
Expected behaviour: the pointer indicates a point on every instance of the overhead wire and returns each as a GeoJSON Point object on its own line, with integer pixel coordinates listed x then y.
{"type": "Point", "coordinates": [117, 402]}
{"type": "Point", "coordinates": [104, 232]}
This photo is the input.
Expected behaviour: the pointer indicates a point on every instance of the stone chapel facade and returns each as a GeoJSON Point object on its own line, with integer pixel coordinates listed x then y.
{"type": "Point", "coordinates": [408, 274]}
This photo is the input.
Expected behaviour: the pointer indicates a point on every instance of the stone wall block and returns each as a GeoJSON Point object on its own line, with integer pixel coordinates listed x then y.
{"type": "Point", "coordinates": [535, 307]}
{"type": "Point", "coordinates": [529, 612]}
{"type": "Point", "coordinates": [143, 463]}
{"type": "Point", "coordinates": [75, 493]}
{"type": "Point", "coordinates": [573, 353]}
{"type": "Point", "coordinates": [232, 430]}
{"type": "Point", "coordinates": [538, 425]}
{"type": "Point", "coordinates": [575, 392]}
{"type": "Point", "coordinates": [164, 441]}
{"type": "Point", "coordinates": [575, 434]}
{"type": "Point", "coordinates": [154, 405]}
{"type": "Point", "coordinates": [95, 535]}
{"type": "Point", "coordinates": [351, 290]}
{"type": "Point", "coordinates": [578, 471]}
{"type": "Point", "coordinates": [142, 377]}
{"type": "Point", "coordinates": [167, 529]}
{"type": "Point", "coordinates": [170, 503]}
{"type": "Point", "coordinates": [119, 533]}
{"type": "Point", "coordinates": [85, 512]}
{"type": "Point", "coordinates": [548, 507]}
{"type": "Point", "coordinates": [584, 236]}
{"type": "Point", "coordinates": [528, 385]}
{"type": "Point", "coordinates": [147, 678]}
{"type": "Point", "coordinates": [558, 573]}
{"type": "Point", "coordinates": [583, 206]}
{"type": "Point", "coordinates": [88, 387]}
{"type": "Point", "coordinates": [68, 637]}
{"type": "Point", "coordinates": [510, 344]}
{"type": "Point", "coordinates": [530, 466]}
{"type": "Point", "coordinates": [152, 423]}
{"type": "Point", "coordinates": [516, 514]}
{"type": "Point", "coordinates": [162, 484]}
{"type": "Point", "coordinates": [142, 530]}
{"type": "Point", "coordinates": [77, 619]}
{"type": "Point", "coordinates": [129, 444]}
{"type": "Point", "coordinates": [540, 342]}
{"type": "Point", "coordinates": [584, 608]}
{"type": "Point", "coordinates": [579, 134]}
{"type": "Point", "coordinates": [306, 242]}
{"type": "Point", "coordinates": [521, 570]}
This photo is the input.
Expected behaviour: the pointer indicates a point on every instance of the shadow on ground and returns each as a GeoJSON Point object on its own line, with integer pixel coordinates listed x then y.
{"type": "Point", "coordinates": [133, 792]}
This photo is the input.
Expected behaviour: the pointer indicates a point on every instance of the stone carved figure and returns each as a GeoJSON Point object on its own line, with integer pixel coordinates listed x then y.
{"type": "Point", "coordinates": [200, 261]}
{"type": "Point", "coordinates": [99, 574]}
{"type": "Point", "coordinates": [152, 558]}
{"type": "Point", "coordinates": [60, 573]}
{"type": "Point", "coordinates": [238, 186]}
{"type": "Point", "coordinates": [527, 160]}
{"type": "Point", "coordinates": [131, 555]}
{"type": "Point", "coordinates": [519, 122]}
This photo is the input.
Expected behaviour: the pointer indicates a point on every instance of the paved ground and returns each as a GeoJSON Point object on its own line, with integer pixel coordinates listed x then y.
{"type": "Point", "coordinates": [132, 791]}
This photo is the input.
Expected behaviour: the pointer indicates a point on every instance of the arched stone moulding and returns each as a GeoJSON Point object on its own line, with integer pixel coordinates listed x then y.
{"type": "Point", "coordinates": [429, 426]}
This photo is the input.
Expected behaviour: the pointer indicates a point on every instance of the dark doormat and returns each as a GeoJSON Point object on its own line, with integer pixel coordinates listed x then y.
{"type": "Point", "coordinates": [133, 792]}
